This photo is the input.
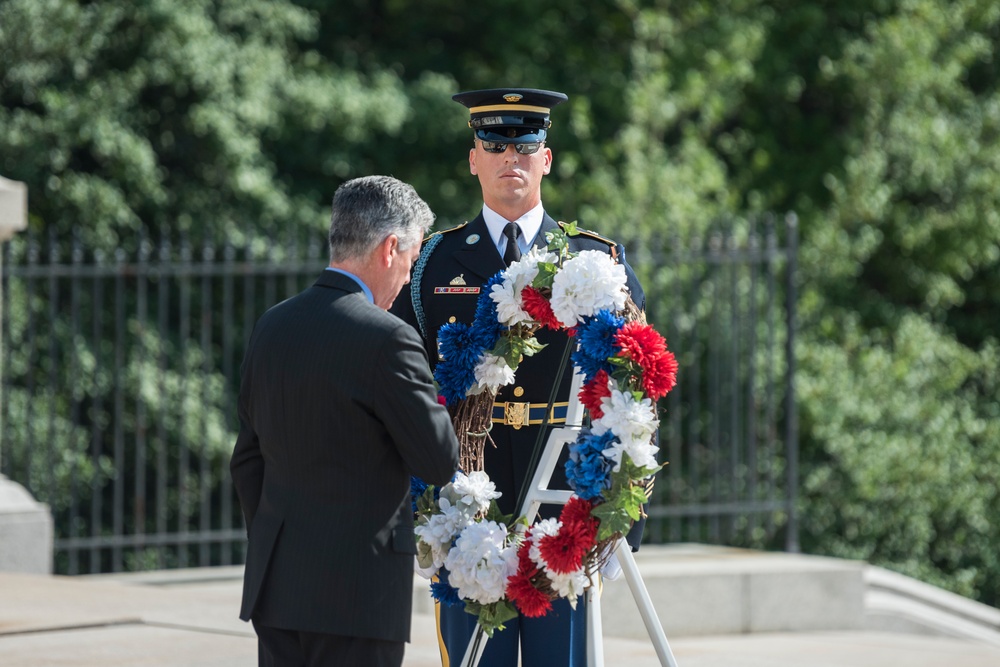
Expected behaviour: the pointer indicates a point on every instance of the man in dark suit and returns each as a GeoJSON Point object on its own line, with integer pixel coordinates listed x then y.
{"type": "Point", "coordinates": [337, 410]}
{"type": "Point", "coordinates": [509, 157]}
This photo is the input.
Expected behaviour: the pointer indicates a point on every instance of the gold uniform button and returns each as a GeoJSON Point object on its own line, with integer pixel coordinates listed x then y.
{"type": "Point", "coordinates": [519, 391]}
{"type": "Point", "coordinates": [452, 319]}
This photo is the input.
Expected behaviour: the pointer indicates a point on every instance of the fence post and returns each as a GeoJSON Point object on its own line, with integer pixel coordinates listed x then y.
{"type": "Point", "coordinates": [26, 526]}
{"type": "Point", "coordinates": [791, 406]}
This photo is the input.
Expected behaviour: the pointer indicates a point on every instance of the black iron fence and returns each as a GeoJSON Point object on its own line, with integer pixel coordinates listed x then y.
{"type": "Point", "coordinates": [120, 373]}
{"type": "Point", "coordinates": [726, 304]}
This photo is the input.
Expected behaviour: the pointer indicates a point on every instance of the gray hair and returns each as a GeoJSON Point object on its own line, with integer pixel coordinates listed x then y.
{"type": "Point", "coordinates": [366, 210]}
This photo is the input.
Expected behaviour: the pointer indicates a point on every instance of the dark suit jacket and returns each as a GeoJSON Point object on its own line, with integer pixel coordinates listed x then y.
{"type": "Point", "coordinates": [468, 252]}
{"type": "Point", "coordinates": [337, 409]}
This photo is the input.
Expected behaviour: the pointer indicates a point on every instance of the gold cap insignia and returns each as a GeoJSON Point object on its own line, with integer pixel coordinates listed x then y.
{"type": "Point", "coordinates": [512, 97]}
{"type": "Point", "coordinates": [458, 280]}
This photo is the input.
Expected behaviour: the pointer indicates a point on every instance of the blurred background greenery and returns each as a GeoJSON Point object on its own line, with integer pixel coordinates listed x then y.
{"type": "Point", "coordinates": [876, 121]}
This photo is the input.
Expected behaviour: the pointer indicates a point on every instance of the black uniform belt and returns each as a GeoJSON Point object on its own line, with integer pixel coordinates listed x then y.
{"type": "Point", "coordinates": [528, 414]}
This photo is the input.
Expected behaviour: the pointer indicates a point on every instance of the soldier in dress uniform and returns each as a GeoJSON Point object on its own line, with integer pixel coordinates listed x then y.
{"type": "Point", "coordinates": [509, 157]}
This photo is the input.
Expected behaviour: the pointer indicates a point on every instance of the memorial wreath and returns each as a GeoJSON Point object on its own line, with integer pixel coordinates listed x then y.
{"type": "Point", "coordinates": [498, 566]}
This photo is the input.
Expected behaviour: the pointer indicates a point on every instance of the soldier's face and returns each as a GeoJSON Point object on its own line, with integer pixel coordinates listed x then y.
{"type": "Point", "coordinates": [509, 178]}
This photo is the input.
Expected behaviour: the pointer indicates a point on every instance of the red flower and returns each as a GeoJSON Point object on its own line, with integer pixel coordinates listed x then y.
{"type": "Point", "coordinates": [564, 551]}
{"type": "Point", "coordinates": [530, 601]}
{"type": "Point", "coordinates": [577, 510]}
{"type": "Point", "coordinates": [442, 400]}
{"type": "Point", "coordinates": [640, 342]}
{"type": "Point", "coordinates": [536, 305]}
{"type": "Point", "coordinates": [592, 393]}
{"type": "Point", "coordinates": [525, 565]}
{"type": "Point", "coordinates": [659, 376]}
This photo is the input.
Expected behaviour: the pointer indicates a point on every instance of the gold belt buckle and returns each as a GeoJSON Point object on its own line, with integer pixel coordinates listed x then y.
{"type": "Point", "coordinates": [515, 414]}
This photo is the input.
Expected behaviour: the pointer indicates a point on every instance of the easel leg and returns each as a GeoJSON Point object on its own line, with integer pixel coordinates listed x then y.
{"type": "Point", "coordinates": [474, 652]}
{"type": "Point", "coordinates": [595, 630]}
{"type": "Point", "coordinates": [645, 605]}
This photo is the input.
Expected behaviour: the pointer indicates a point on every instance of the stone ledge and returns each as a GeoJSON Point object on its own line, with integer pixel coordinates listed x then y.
{"type": "Point", "coordinates": [704, 590]}
{"type": "Point", "coordinates": [26, 531]}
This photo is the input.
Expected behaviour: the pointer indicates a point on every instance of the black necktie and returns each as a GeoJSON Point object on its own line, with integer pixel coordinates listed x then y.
{"type": "Point", "coordinates": [512, 252]}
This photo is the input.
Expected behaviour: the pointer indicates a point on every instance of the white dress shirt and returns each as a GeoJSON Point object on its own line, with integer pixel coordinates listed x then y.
{"type": "Point", "coordinates": [529, 223]}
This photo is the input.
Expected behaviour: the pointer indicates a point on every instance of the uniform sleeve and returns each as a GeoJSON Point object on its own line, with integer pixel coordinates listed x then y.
{"type": "Point", "coordinates": [634, 537]}
{"type": "Point", "coordinates": [632, 282]}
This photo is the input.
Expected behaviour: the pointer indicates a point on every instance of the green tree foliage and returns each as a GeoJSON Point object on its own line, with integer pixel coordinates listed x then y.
{"type": "Point", "coordinates": [877, 121]}
{"type": "Point", "coordinates": [122, 114]}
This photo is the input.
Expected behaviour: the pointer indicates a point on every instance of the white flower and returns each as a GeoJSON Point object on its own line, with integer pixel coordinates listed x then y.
{"type": "Point", "coordinates": [472, 492]}
{"type": "Point", "coordinates": [545, 527]}
{"type": "Point", "coordinates": [508, 300]}
{"type": "Point", "coordinates": [492, 372]}
{"type": "Point", "coordinates": [481, 561]}
{"type": "Point", "coordinates": [585, 284]}
{"type": "Point", "coordinates": [569, 585]}
{"type": "Point", "coordinates": [520, 274]}
{"type": "Point", "coordinates": [643, 454]}
{"type": "Point", "coordinates": [441, 529]}
{"type": "Point", "coordinates": [633, 423]}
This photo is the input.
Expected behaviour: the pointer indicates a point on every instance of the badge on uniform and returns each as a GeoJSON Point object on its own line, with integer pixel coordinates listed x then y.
{"type": "Point", "coordinates": [457, 286]}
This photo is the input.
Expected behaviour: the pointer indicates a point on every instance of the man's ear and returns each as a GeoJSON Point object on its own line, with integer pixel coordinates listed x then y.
{"type": "Point", "coordinates": [472, 162]}
{"type": "Point", "coordinates": [388, 249]}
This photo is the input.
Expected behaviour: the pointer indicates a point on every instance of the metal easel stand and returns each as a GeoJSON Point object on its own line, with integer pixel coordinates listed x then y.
{"type": "Point", "coordinates": [539, 494]}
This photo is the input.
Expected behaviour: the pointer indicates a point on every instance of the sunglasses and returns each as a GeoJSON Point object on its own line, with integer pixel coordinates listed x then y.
{"type": "Point", "coordinates": [500, 147]}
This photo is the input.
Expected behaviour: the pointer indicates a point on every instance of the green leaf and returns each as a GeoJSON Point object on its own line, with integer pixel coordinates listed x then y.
{"type": "Point", "coordinates": [424, 555]}
{"type": "Point", "coordinates": [493, 616]}
{"type": "Point", "coordinates": [546, 275]}
{"type": "Point", "coordinates": [426, 505]}
{"type": "Point", "coordinates": [613, 520]}
{"type": "Point", "coordinates": [494, 514]}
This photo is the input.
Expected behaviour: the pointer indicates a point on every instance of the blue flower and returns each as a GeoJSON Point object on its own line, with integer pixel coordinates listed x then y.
{"type": "Point", "coordinates": [597, 343]}
{"type": "Point", "coordinates": [588, 471]}
{"type": "Point", "coordinates": [443, 592]}
{"type": "Point", "coordinates": [485, 328]}
{"type": "Point", "coordinates": [457, 371]}
{"type": "Point", "coordinates": [417, 488]}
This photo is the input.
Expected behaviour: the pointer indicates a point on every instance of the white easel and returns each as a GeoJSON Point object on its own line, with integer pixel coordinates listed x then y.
{"type": "Point", "coordinates": [538, 494]}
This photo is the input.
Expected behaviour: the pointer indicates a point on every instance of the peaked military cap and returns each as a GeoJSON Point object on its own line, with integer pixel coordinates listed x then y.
{"type": "Point", "coordinates": [510, 115]}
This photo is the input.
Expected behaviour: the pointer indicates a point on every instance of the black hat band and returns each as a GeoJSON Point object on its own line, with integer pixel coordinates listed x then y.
{"type": "Point", "coordinates": [507, 121]}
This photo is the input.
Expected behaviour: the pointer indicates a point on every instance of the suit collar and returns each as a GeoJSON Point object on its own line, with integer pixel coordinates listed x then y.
{"type": "Point", "coordinates": [339, 281]}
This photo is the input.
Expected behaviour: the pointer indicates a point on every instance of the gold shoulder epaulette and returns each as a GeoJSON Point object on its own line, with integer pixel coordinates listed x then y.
{"type": "Point", "coordinates": [597, 237]}
{"type": "Point", "coordinates": [445, 231]}
{"type": "Point", "coordinates": [590, 234]}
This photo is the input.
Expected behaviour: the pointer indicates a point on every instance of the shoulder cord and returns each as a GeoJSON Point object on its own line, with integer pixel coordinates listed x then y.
{"type": "Point", "coordinates": [416, 277]}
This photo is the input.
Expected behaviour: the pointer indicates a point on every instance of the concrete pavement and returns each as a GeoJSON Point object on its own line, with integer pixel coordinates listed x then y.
{"type": "Point", "coordinates": [188, 618]}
